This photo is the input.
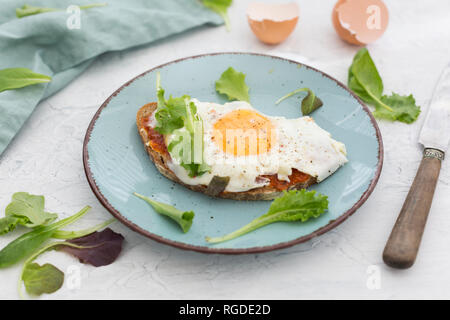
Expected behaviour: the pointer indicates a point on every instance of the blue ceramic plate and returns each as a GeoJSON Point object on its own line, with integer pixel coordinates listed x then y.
{"type": "Point", "coordinates": [117, 164]}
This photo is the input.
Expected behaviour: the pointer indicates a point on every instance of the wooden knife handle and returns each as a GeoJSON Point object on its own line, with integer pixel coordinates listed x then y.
{"type": "Point", "coordinates": [403, 243]}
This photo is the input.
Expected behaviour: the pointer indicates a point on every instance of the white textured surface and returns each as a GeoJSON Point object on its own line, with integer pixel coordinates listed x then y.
{"type": "Point", "coordinates": [45, 158]}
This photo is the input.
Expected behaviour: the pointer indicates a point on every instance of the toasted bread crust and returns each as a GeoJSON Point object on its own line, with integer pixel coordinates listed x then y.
{"type": "Point", "coordinates": [160, 160]}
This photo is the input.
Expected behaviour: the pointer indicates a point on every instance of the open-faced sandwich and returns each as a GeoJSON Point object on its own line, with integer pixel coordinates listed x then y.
{"type": "Point", "coordinates": [234, 151]}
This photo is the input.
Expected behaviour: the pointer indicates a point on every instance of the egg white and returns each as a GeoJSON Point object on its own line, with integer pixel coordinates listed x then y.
{"type": "Point", "coordinates": [300, 143]}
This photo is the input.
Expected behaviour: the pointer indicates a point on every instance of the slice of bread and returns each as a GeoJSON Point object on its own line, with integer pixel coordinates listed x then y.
{"type": "Point", "coordinates": [161, 157]}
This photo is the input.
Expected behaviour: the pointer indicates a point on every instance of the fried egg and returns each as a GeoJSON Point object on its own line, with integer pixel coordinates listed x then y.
{"type": "Point", "coordinates": [242, 143]}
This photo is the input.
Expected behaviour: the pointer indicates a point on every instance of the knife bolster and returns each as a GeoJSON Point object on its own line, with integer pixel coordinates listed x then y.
{"type": "Point", "coordinates": [433, 153]}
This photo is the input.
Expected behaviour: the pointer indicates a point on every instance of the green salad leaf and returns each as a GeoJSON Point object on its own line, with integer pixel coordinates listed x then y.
{"type": "Point", "coordinates": [309, 103]}
{"type": "Point", "coordinates": [8, 224]}
{"type": "Point", "coordinates": [404, 108]}
{"type": "Point", "coordinates": [15, 78]}
{"type": "Point", "coordinates": [27, 10]}
{"type": "Point", "coordinates": [365, 81]}
{"type": "Point", "coordinates": [232, 83]}
{"type": "Point", "coordinates": [183, 218]}
{"type": "Point", "coordinates": [220, 7]}
{"type": "Point", "coordinates": [42, 279]}
{"type": "Point", "coordinates": [29, 242]}
{"type": "Point", "coordinates": [293, 205]}
{"type": "Point", "coordinates": [178, 117]}
{"type": "Point", "coordinates": [183, 142]}
{"type": "Point", "coordinates": [88, 245]}
{"type": "Point", "coordinates": [97, 248]}
{"type": "Point", "coordinates": [29, 209]}
{"type": "Point", "coordinates": [170, 113]}
{"type": "Point", "coordinates": [63, 234]}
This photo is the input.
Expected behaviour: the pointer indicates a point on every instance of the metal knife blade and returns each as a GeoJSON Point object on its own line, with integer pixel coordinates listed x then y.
{"type": "Point", "coordinates": [435, 132]}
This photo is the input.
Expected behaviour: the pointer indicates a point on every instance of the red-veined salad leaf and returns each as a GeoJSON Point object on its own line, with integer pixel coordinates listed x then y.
{"type": "Point", "coordinates": [98, 248]}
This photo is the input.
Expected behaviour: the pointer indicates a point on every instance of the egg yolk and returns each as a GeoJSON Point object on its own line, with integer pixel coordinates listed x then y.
{"type": "Point", "coordinates": [243, 133]}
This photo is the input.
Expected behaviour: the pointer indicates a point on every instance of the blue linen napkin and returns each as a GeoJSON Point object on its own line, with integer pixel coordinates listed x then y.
{"type": "Point", "coordinates": [45, 44]}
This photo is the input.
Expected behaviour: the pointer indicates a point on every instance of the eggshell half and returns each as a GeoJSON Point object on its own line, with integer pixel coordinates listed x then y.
{"type": "Point", "coordinates": [272, 23]}
{"type": "Point", "coordinates": [360, 22]}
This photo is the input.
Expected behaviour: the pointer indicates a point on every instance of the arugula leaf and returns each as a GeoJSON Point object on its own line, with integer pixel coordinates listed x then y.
{"type": "Point", "coordinates": [232, 83]}
{"type": "Point", "coordinates": [42, 279]}
{"type": "Point", "coordinates": [365, 81]}
{"type": "Point", "coordinates": [293, 205]}
{"type": "Point", "coordinates": [98, 248]}
{"type": "Point", "coordinates": [26, 244]}
{"type": "Point", "coordinates": [309, 103]}
{"type": "Point", "coordinates": [29, 209]}
{"type": "Point", "coordinates": [27, 10]}
{"type": "Point", "coordinates": [184, 219]}
{"type": "Point", "coordinates": [15, 78]}
{"type": "Point", "coordinates": [220, 7]}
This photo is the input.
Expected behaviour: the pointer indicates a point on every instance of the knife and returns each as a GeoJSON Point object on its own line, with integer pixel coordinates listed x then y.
{"type": "Point", "coordinates": [403, 243]}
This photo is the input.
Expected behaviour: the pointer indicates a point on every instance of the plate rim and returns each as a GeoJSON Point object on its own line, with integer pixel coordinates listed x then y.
{"type": "Point", "coordinates": [203, 249]}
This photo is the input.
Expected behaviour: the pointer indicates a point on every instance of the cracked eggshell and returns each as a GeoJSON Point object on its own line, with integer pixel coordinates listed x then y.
{"type": "Point", "coordinates": [272, 23]}
{"type": "Point", "coordinates": [360, 22]}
